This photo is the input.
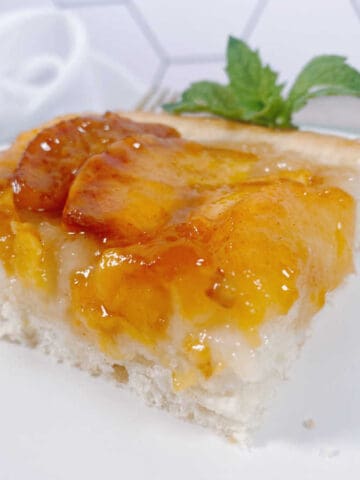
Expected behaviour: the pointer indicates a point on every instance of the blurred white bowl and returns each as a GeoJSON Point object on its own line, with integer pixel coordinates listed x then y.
{"type": "Point", "coordinates": [47, 69]}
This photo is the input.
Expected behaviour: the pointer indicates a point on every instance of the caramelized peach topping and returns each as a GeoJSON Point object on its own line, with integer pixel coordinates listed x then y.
{"type": "Point", "coordinates": [179, 228]}
{"type": "Point", "coordinates": [52, 159]}
{"type": "Point", "coordinates": [246, 265]}
{"type": "Point", "coordinates": [143, 183]}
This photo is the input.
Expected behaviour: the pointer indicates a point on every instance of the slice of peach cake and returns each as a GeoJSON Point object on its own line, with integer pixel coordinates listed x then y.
{"type": "Point", "coordinates": [188, 271]}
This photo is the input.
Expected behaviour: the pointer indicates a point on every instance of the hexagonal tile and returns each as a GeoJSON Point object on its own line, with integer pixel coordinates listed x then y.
{"type": "Point", "coordinates": [113, 32]}
{"type": "Point", "coordinates": [290, 33]}
{"type": "Point", "coordinates": [196, 27]}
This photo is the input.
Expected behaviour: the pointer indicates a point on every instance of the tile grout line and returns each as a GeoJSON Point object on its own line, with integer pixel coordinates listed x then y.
{"type": "Point", "coordinates": [146, 30]}
{"type": "Point", "coordinates": [160, 73]}
{"type": "Point", "coordinates": [356, 7]}
{"type": "Point", "coordinates": [247, 31]}
{"type": "Point", "coordinates": [254, 19]}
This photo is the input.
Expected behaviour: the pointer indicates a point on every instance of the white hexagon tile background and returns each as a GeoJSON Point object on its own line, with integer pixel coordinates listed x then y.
{"type": "Point", "coordinates": [73, 55]}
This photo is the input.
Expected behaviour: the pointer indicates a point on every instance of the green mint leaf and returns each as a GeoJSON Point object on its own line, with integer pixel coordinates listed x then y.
{"type": "Point", "coordinates": [208, 97]}
{"type": "Point", "coordinates": [323, 76]}
{"type": "Point", "coordinates": [254, 94]}
{"type": "Point", "coordinates": [254, 83]}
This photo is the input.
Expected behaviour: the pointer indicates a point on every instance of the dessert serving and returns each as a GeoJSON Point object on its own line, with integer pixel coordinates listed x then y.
{"type": "Point", "coordinates": [184, 257]}
{"type": "Point", "coordinates": [187, 270]}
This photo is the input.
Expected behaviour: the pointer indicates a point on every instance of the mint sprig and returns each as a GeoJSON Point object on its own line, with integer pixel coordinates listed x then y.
{"type": "Point", "coordinates": [254, 94]}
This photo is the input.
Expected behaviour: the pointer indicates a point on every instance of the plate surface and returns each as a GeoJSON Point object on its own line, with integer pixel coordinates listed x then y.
{"type": "Point", "coordinates": [59, 423]}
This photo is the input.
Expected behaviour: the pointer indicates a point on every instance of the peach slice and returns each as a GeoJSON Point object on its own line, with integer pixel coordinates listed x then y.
{"type": "Point", "coordinates": [143, 182]}
{"type": "Point", "coordinates": [52, 159]}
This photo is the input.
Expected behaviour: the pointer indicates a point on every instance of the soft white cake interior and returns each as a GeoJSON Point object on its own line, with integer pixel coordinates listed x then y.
{"type": "Point", "coordinates": [231, 402]}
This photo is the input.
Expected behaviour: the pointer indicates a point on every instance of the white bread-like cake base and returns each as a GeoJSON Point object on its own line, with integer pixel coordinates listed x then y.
{"type": "Point", "coordinates": [232, 404]}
